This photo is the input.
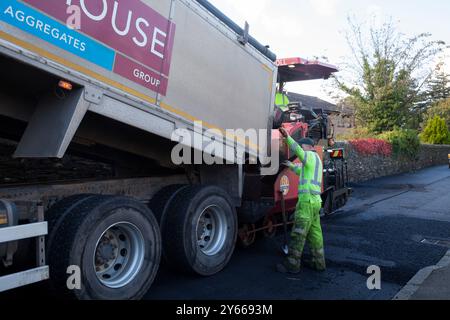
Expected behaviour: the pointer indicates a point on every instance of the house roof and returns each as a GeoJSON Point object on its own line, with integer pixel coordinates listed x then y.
{"type": "Point", "coordinates": [313, 102]}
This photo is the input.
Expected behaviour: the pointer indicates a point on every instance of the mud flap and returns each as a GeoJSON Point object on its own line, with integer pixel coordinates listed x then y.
{"type": "Point", "coordinates": [53, 125]}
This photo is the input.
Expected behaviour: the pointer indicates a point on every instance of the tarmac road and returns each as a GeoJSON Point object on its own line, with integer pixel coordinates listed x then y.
{"type": "Point", "coordinates": [391, 222]}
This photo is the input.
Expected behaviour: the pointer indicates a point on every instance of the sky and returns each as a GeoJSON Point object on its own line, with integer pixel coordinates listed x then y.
{"type": "Point", "coordinates": [315, 28]}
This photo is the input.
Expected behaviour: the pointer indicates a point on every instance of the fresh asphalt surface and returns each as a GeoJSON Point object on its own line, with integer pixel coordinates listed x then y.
{"type": "Point", "coordinates": [385, 224]}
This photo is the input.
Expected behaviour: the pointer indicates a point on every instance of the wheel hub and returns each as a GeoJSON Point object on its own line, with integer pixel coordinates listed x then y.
{"type": "Point", "coordinates": [106, 252]}
{"type": "Point", "coordinates": [205, 230]}
{"type": "Point", "coordinates": [211, 232]}
{"type": "Point", "coordinates": [119, 255]}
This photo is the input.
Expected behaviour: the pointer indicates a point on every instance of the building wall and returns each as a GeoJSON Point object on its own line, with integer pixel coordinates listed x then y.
{"type": "Point", "coordinates": [343, 124]}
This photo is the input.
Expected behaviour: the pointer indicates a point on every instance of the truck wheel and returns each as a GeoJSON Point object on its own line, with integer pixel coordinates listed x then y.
{"type": "Point", "coordinates": [200, 230]}
{"type": "Point", "coordinates": [114, 242]}
{"type": "Point", "coordinates": [57, 213]}
{"type": "Point", "coordinates": [328, 204]}
{"type": "Point", "coordinates": [160, 203]}
{"type": "Point", "coordinates": [161, 200]}
{"type": "Point", "coordinates": [247, 235]}
{"type": "Point", "coordinates": [269, 223]}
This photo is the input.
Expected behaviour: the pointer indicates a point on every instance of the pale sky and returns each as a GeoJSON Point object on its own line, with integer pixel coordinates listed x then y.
{"type": "Point", "coordinates": [309, 28]}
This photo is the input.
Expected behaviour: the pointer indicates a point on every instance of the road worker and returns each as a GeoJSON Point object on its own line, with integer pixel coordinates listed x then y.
{"type": "Point", "coordinates": [281, 107]}
{"type": "Point", "coordinates": [282, 101]}
{"type": "Point", "coordinates": [307, 226]}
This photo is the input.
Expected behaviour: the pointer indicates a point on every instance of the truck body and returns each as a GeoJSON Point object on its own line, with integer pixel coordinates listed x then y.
{"type": "Point", "coordinates": [91, 95]}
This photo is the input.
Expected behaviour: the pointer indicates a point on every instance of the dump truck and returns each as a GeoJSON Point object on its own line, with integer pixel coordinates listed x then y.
{"type": "Point", "coordinates": [91, 95]}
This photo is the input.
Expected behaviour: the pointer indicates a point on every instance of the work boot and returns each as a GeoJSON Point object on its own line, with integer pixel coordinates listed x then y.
{"type": "Point", "coordinates": [287, 268]}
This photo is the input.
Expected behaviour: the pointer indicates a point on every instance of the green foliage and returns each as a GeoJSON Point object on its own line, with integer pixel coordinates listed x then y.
{"type": "Point", "coordinates": [405, 143]}
{"type": "Point", "coordinates": [441, 109]}
{"type": "Point", "coordinates": [436, 132]}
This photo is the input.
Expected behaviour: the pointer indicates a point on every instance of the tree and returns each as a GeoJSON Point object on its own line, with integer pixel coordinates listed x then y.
{"type": "Point", "coordinates": [436, 132]}
{"type": "Point", "coordinates": [385, 76]}
{"type": "Point", "coordinates": [405, 143]}
{"type": "Point", "coordinates": [441, 109]}
{"type": "Point", "coordinates": [438, 87]}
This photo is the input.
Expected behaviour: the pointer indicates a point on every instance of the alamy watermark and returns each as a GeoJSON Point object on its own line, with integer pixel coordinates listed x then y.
{"type": "Point", "coordinates": [231, 146]}
{"type": "Point", "coordinates": [74, 279]}
{"type": "Point", "coordinates": [74, 20]}
{"type": "Point", "coordinates": [374, 280]}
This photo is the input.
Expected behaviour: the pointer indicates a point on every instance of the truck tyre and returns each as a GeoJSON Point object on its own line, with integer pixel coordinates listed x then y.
{"type": "Point", "coordinates": [114, 243]}
{"type": "Point", "coordinates": [200, 230]}
{"type": "Point", "coordinates": [160, 204]}
{"type": "Point", "coordinates": [161, 200]}
{"type": "Point", "coordinates": [328, 203]}
{"type": "Point", "coordinates": [57, 213]}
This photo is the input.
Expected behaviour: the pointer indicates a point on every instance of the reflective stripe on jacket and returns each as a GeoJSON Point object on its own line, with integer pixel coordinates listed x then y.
{"type": "Point", "coordinates": [310, 172]}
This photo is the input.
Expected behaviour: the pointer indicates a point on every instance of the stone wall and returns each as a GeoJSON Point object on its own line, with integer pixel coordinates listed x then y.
{"type": "Point", "coordinates": [363, 168]}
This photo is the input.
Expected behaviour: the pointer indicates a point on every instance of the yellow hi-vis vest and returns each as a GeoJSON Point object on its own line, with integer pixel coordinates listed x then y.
{"type": "Point", "coordinates": [282, 101]}
{"type": "Point", "coordinates": [310, 173]}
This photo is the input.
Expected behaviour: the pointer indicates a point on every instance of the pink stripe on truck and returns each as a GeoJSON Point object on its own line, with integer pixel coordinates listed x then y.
{"type": "Point", "coordinates": [140, 74]}
{"type": "Point", "coordinates": [129, 27]}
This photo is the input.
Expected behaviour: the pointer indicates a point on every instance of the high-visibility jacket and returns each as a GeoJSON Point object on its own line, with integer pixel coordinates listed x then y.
{"type": "Point", "coordinates": [310, 172]}
{"type": "Point", "coordinates": [282, 101]}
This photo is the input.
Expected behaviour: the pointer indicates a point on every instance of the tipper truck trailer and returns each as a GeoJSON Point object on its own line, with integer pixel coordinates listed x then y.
{"type": "Point", "coordinates": [91, 94]}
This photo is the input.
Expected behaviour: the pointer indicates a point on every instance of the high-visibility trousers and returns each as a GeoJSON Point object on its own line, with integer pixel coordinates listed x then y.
{"type": "Point", "coordinates": [307, 228]}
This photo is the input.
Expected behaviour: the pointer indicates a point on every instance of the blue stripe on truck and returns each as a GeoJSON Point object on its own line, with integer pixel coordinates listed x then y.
{"type": "Point", "coordinates": [56, 33]}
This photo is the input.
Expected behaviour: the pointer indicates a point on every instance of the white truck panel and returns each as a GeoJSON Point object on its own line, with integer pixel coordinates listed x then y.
{"type": "Point", "coordinates": [216, 79]}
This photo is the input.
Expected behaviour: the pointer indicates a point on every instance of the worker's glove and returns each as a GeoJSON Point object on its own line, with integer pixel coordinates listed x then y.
{"type": "Point", "coordinates": [283, 133]}
{"type": "Point", "coordinates": [287, 164]}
